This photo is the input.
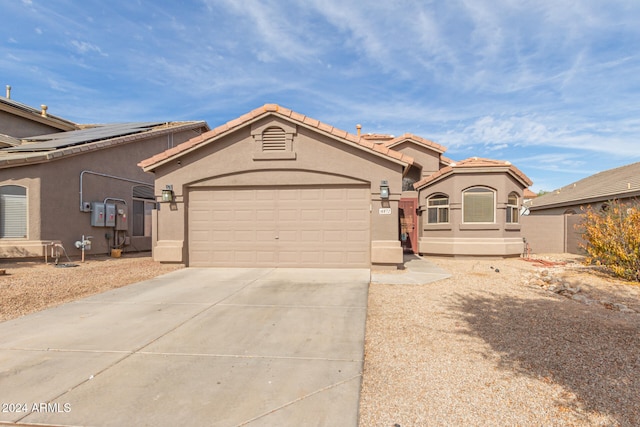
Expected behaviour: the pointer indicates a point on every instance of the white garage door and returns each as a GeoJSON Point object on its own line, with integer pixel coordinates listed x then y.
{"type": "Point", "coordinates": [280, 227]}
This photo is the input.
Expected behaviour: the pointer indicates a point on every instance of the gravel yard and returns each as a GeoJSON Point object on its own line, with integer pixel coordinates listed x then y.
{"type": "Point", "coordinates": [32, 285]}
{"type": "Point", "coordinates": [495, 345]}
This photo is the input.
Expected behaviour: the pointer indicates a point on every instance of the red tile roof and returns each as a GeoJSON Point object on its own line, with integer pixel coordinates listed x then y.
{"type": "Point", "coordinates": [475, 163]}
{"type": "Point", "coordinates": [417, 140]}
{"type": "Point", "coordinates": [150, 163]}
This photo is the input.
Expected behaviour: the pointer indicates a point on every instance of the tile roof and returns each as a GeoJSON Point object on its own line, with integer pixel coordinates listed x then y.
{"type": "Point", "coordinates": [272, 109]}
{"type": "Point", "coordinates": [377, 137]}
{"type": "Point", "coordinates": [10, 157]}
{"type": "Point", "coordinates": [611, 184]}
{"type": "Point", "coordinates": [418, 140]}
{"type": "Point", "coordinates": [474, 164]}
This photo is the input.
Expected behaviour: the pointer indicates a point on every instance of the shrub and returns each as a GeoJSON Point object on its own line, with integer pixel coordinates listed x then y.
{"type": "Point", "coordinates": [612, 238]}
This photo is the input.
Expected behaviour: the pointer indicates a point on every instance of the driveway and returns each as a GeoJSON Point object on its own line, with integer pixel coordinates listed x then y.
{"type": "Point", "coordinates": [214, 347]}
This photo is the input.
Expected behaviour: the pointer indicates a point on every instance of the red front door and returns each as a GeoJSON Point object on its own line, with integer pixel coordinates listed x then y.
{"type": "Point", "coordinates": [409, 224]}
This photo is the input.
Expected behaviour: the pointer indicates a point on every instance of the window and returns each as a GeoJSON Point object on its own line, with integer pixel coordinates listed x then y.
{"type": "Point", "coordinates": [143, 204]}
{"type": "Point", "coordinates": [438, 209]}
{"type": "Point", "coordinates": [13, 211]}
{"type": "Point", "coordinates": [478, 205]}
{"type": "Point", "coordinates": [512, 209]}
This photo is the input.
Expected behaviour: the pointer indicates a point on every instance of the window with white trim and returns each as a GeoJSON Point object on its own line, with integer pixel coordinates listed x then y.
{"type": "Point", "coordinates": [143, 205]}
{"type": "Point", "coordinates": [13, 212]}
{"type": "Point", "coordinates": [512, 208]}
{"type": "Point", "coordinates": [438, 209]}
{"type": "Point", "coordinates": [478, 205]}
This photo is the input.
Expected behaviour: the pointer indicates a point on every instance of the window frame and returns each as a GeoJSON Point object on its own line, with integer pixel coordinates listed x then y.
{"type": "Point", "coordinates": [438, 209]}
{"type": "Point", "coordinates": [148, 205]}
{"type": "Point", "coordinates": [514, 209]}
{"type": "Point", "coordinates": [24, 216]}
{"type": "Point", "coordinates": [478, 190]}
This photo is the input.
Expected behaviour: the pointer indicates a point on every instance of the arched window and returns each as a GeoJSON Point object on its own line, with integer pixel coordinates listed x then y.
{"type": "Point", "coordinates": [438, 209]}
{"type": "Point", "coordinates": [478, 205]}
{"type": "Point", "coordinates": [512, 208]}
{"type": "Point", "coordinates": [13, 212]}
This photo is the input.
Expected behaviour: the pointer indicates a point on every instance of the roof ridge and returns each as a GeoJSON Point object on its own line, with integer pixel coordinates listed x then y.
{"type": "Point", "coordinates": [283, 111]}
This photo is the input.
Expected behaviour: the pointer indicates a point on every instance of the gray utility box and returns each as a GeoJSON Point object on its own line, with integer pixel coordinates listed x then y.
{"type": "Point", "coordinates": [122, 219]}
{"type": "Point", "coordinates": [103, 214]}
{"type": "Point", "coordinates": [110, 218]}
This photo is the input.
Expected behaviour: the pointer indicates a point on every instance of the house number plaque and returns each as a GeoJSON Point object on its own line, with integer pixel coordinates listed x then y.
{"type": "Point", "coordinates": [384, 211]}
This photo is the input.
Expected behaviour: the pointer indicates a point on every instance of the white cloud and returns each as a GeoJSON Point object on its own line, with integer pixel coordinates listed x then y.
{"type": "Point", "coordinates": [86, 47]}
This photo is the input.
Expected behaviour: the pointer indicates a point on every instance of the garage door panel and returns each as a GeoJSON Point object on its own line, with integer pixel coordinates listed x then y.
{"type": "Point", "coordinates": [315, 227]}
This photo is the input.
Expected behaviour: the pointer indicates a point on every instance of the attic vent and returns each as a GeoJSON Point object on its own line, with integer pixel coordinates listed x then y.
{"type": "Point", "coordinates": [274, 139]}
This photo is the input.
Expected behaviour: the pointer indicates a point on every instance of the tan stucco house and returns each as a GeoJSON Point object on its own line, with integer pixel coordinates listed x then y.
{"type": "Point", "coordinates": [67, 180]}
{"type": "Point", "coordinates": [553, 220]}
{"type": "Point", "coordinates": [279, 189]}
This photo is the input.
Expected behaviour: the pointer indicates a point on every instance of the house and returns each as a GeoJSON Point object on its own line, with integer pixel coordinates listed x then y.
{"type": "Point", "coordinates": [275, 188]}
{"type": "Point", "coordinates": [68, 181]}
{"type": "Point", "coordinates": [18, 120]}
{"type": "Point", "coordinates": [622, 183]}
{"type": "Point", "coordinates": [551, 225]}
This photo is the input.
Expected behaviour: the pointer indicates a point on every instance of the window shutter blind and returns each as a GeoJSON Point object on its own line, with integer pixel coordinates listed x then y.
{"type": "Point", "coordinates": [13, 216]}
{"type": "Point", "coordinates": [478, 207]}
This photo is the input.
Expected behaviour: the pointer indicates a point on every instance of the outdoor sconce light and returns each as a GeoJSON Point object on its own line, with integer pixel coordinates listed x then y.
{"type": "Point", "coordinates": [167, 194]}
{"type": "Point", "coordinates": [384, 189]}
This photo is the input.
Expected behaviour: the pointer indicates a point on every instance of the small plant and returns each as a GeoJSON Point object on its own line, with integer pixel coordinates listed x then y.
{"type": "Point", "coordinates": [612, 236]}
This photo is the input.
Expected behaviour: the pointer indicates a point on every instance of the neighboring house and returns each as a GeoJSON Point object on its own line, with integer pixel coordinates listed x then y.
{"type": "Point", "coordinates": [551, 225]}
{"type": "Point", "coordinates": [274, 188]}
{"type": "Point", "coordinates": [18, 120]}
{"type": "Point", "coordinates": [621, 183]}
{"type": "Point", "coordinates": [58, 187]}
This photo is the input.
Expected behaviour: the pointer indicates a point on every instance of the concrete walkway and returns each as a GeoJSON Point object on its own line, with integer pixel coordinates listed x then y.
{"type": "Point", "coordinates": [417, 271]}
{"type": "Point", "coordinates": [197, 347]}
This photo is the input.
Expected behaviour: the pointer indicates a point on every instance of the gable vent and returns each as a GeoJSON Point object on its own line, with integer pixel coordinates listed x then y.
{"type": "Point", "coordinates": [274, 139]}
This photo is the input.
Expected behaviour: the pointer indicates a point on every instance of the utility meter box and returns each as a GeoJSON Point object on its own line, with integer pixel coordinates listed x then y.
{"type": "Point", "coordinates": [97, 214]}
{"type": "Point", "coordinates": [122, 220]}
{"type": "Point", "coordinates": [110, 215]}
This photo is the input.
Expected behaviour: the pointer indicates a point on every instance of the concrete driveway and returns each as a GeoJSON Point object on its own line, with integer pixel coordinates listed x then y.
{"type": "Point", "coordinates": [201, 347]}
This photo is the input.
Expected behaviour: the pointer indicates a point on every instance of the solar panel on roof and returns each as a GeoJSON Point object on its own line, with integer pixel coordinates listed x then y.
{"type": "Point", "coordinates": [59, 140]}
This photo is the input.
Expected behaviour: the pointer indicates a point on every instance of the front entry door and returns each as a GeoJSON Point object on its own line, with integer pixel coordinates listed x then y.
{"type": "Point", "coordinates": [409, 224]}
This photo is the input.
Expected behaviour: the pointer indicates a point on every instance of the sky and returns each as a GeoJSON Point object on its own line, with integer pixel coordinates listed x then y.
{"type": "Point", "coordinates": [551, 86]}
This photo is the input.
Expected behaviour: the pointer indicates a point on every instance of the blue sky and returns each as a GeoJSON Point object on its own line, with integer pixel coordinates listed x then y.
{"type": "Point", "coordinates": [552, 86]}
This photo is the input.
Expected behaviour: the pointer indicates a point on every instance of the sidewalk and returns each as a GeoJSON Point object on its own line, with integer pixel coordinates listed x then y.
{"type": "Point", "coordinates": [417, 271]}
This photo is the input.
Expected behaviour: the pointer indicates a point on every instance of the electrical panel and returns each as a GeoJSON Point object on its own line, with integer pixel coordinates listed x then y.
{"type": "Point", "coordinates": [97, 214]}
{"type": "Point", "coordinates": [122, 220]}
{"type": "Point", "coordinates": [110, 215]}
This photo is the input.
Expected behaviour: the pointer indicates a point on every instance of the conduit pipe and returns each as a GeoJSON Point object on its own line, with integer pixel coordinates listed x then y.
{"type": "Point", "coordinates": [106, 176]}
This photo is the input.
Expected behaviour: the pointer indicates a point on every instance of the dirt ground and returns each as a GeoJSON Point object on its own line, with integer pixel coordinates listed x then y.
{"type": "Point", "coordinates": [33, 285]}
{"type": "Point", "coordinates": [504, 342]}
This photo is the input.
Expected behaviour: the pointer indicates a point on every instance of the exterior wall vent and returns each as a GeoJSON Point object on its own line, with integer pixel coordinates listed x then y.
{"type": "Point", "coordinates": [274, 139]}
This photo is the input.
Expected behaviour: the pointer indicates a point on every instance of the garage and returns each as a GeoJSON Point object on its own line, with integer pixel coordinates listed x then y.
{"type": "Point", "coordinates": [274, 188]}
{"type": "Point", "coordinates": [282, 226]}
